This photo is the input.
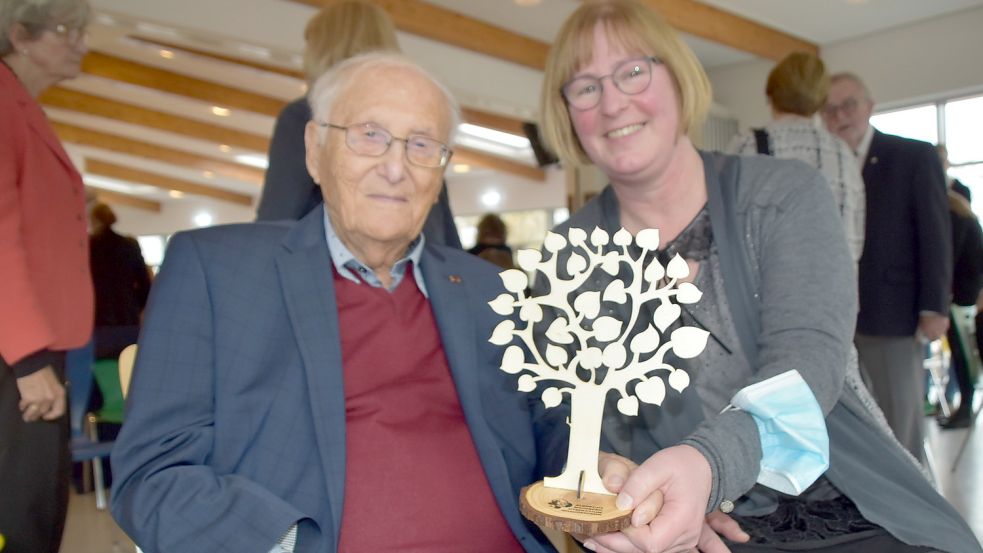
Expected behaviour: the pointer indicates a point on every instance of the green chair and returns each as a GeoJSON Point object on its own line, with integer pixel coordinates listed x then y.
{"type": "Point", "coordinates": [106, 372]}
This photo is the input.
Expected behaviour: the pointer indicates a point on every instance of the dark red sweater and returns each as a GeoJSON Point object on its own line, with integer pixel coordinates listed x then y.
{"type": "Point", "coordinates": [413, 479]}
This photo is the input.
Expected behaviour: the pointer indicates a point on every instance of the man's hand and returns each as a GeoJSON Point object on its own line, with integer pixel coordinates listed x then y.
{"type": "Point", "coordinates": [673, 484]}
{"type": "Point", "coordinates": [42, 395]}
{"type": "Point", "coordinates": [932, 325]}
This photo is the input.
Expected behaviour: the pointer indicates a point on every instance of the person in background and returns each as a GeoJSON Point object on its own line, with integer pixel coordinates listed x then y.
{"type": "Point", "coordinates": [491, 243]}
{"type": "Point", "coordinates": [328, 385]}
{"type": "Point", "coordinates": [764, 240]}
{"type": "Point", "coordinates": [796, 89]}
{"type": "Point", "coordinates": [967, 280]}
{"type": "Point", "coordinates": [46, 300]}
{"type": "Point", "coordinates": [905, 272]}
{"type": "Point", "coordinates": [121, 281]}
{"type": "Point", "coordinates": [952, 183]}
{"type": "Point", "coordinates": [337, 32]}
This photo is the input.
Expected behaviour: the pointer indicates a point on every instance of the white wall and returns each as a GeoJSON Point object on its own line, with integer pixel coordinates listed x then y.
{"type": "Point", "coordinates": [177, 215]}
{"type": "Point", "coordinates": [922, 61]}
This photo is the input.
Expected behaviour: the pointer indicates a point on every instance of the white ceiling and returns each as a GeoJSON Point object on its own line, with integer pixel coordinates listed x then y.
{"type": "Point", "coordinates": [270, 31]}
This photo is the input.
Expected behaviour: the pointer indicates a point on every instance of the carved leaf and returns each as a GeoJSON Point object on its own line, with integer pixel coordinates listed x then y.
{"type": "Point", "coordinates": [528, 259]}
{"type": "Point", "coordinates": [615, 292]}
{"type": "Point", "coordinates": [591, 358]}
{"type": "Point", "coordinates": [607, 329]}
{"type": "Point", "coordinates": [666, 314]}
{"type": "Point", "coordinates": [531, 312]}
{"type": "Point", "coordinates": [688, 293]}
{"type": "Point", "coordinates": [688, 341]}
{"type": "Point", "coordinates": [588, 303]}
{"type": "Point", "coordinates": [651, 390]}
{"type": "Point", "coordinates": [552, 397]}
{"type": "Point", "coordinates": [554, 242]}
{"type": "Point", "coordinates": [577, 236]}
{"type": "Point", "coordinates": [622, 238]}
{"type": "Point", "coordinates": [645, 341]}
{"type": "Point", "coordinates": [679, 380]}
{"type": "Point", "coordinates": [526, 383]}
{"type": "Point", "coordinates": [559, 331]}
{"type": "Point", "coordinates": [576, 264]}
{"type": "Point", "coordinates": [677, 267]}
{"type": "Point", "coordinates": [599, 237]}
{"type": "Point", "coordinates": [615, 355]}
{"type": "Point", "coordinates": [514, 280]}
{"type": "Point", "coordinates": [654, 271]}
{"type": "Point", "coordinates": [502, 333]}
{"type": "Point", "coordinates": [648, 239]}
{"type": "Point", "coordinates": [611, 263]}
{"type": "Point", "coordinates": [556, 356]}
{"type": "Point", "coordinates": [628, 406]}
{"type": "Point", "coordinates": [513, 359]}
{"type": "Point", "coordinates": [503, 304]}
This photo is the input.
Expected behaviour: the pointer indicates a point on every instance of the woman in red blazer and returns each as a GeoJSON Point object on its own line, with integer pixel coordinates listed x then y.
{"type": "Point", "coordinates": [46, 291]}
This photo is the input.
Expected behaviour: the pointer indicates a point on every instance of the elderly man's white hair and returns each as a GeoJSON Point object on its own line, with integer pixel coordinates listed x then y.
{"type": "Point", "coordinates": [327, 88]}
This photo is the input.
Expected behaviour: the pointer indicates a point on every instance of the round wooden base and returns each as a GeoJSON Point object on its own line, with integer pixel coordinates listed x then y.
{"type": "Point", "coordinates": [562, 510]}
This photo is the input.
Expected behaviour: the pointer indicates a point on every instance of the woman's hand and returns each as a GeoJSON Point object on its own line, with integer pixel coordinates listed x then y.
{"type": "Point", "coordinates": [673, 484]}
{"type": "Point", "coordinates": [42, 395]}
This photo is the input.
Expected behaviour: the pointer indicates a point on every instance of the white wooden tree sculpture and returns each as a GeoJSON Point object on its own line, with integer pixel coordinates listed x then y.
{"type": "Point", "coordinates": [597, 341]}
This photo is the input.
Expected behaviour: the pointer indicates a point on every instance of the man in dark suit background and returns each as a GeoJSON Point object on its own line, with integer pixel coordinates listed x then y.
{"type": "Point", "coordinates": [328, 384]}
{"type": "Point", "coordinates": [906, 266]}
{"type": "Point", "coordinates": [954, 184]}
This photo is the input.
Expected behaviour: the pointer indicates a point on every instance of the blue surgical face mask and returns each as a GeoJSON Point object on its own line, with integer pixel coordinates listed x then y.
{"type": "Point", "coordinates": [794, 441]}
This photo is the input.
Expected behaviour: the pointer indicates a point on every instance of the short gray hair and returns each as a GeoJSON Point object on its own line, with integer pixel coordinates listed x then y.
{"type": "Point", "coordinates": [853, 78]}
{"type": "Point", "coordinates": [326, 89]}
{"type": "Point", "coordinates": [38, 15]}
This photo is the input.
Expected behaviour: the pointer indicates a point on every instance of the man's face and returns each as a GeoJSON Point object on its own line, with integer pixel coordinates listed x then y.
{"type": "Point", "coordinates": [379, 201]}
{"type": "Point", "coordinates": [847, 111]}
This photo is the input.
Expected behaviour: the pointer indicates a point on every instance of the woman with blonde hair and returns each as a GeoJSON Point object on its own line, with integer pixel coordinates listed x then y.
{"type": "Point", "coordinates": [46, 296]}
{"type": "Point", "coordinates": [337, 32]}
{"type": "Point", "coordinates": [806, 464]}
{"type": "Point", "coordinates": [796, 89]}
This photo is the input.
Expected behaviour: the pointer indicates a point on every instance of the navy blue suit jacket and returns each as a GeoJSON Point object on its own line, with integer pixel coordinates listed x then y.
{"type": "Point", "coordinates": [235, 423]}
{"type": "Point", "coordinates": [906, 267]}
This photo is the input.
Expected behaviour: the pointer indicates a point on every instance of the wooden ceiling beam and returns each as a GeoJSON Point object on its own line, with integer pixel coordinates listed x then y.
{"type": "Point", "coordinates": [689, 16]}
{"type": "Point", "coordinates": [481, 159]}
{"type": "Point", "coordinates": [90, 104]}
{"type": "Point", "coordinates": [450, 27]}
{"type": "Point", "coordinates": [129, 174]}
{"type": "Point", "coordinates": [119, 69]}
{"type": "Point", "coordinates": [118, 198]}
{"type": "Point", "coordinates": [96, 139]}
{"type": "Point", "coordinates": [729, 29]}
{"type": "Point", "coordinates": [111, 67]}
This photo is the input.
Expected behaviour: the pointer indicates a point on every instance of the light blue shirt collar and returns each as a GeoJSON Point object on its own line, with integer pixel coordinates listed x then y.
{"type": "Point", "coordinates": [348, 266]}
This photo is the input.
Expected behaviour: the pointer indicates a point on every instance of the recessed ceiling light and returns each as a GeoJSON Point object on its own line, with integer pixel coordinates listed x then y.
{"type": "Point", "coordinates": [167, 54]}
{"type": "Point", "coordinates": [203, 219]}
{"type": "Point", "coordinates": [461, 167]}
{"type": "Point", "coordinates": [254, 160]}
{"type": "Point", "coordinates": [491, 198]}
{"type": "Point", "coordinates": [220, 111]}
{"type": "Point", "coordinates": [208, 174]}
{"type": "Point", "coordinates": [225, 148]}
{"type": "Point", "coordinates": [176, 194]}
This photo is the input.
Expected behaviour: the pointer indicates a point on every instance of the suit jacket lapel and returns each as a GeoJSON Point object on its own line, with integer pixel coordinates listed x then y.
{"type": "Point", "coordinates": [305, 271]}
{"type": "Point", "coordinates": [874, 153]}
{"type": "Point", "coordinates": [35, 117]}
{"type": "Point", "coordinates": [453, 308]}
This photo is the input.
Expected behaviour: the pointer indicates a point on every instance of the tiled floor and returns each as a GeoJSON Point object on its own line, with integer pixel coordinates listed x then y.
{"type": "Point", "coordinates": [91, 531]}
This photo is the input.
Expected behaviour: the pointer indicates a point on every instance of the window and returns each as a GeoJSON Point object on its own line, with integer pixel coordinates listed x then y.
{"type": "Point", "coordinates": [956, 122]}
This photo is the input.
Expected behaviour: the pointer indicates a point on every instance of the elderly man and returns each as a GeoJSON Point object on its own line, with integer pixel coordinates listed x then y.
{"type": "Point", "coordinates": [329, 385]}
{"type": "Point", "coordinates": [906, 267]}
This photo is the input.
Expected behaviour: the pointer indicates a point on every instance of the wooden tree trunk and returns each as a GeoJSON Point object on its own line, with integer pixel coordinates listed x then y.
{"type": "Point", "coordinates": [586, 411]}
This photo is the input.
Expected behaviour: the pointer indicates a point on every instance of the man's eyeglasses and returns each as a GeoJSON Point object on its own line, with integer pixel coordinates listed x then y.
{"type": "Point", "coordinates": [367, 139]}
{"type": "Point", "coordinates": [71, 35]}
{"type": "Point", "coordinates": [848, 107]}
{"type": "Point", "coordinates": [631, 77]}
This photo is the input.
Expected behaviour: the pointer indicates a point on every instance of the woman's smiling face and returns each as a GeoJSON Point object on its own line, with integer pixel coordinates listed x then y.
{"type": "Point", "coordinates": [630, 138]}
